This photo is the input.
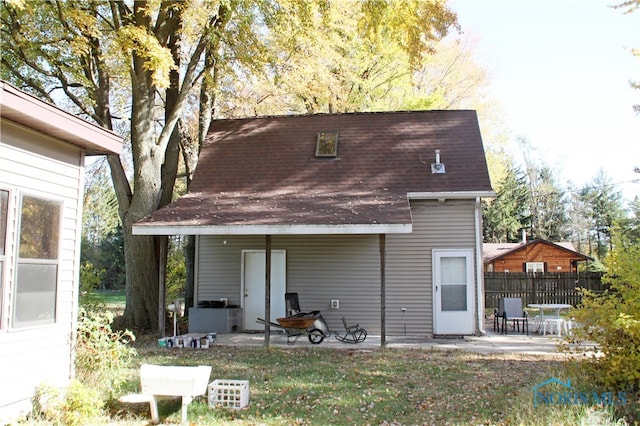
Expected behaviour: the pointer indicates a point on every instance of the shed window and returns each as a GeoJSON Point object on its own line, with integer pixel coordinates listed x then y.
{"type": "Point", "coordinates": [37, 270]}
{"type": "Point", "coordinates": [534, 267]}
{"type": "Point", "coordinates": [327, 144]}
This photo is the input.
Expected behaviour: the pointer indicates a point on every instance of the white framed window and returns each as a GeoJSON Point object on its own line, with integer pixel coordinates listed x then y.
{"type": "Point", "coordinates": [537, 267]}
{"type": "Point", "coordinates": [36, 282]}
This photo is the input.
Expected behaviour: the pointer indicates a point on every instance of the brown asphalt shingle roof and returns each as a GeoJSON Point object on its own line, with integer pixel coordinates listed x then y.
{"type": "Point", "coordinates": [494, 251]}
{"type": "Point", "coordinates": [263, 171]}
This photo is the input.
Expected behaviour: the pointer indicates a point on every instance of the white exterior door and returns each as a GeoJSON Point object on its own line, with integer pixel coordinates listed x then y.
{"type": "Point", "coordinates": [453, 290]}
{"type": "Point", "coordinates": [253, 284]}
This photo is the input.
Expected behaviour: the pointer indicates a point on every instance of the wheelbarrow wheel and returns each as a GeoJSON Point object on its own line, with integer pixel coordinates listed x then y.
{"type": "Point", "coordinates": [316, 336]}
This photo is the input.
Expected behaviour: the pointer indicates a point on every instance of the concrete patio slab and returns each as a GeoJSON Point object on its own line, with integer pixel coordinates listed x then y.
{"type": "Point", "coordinates": [489, 343]}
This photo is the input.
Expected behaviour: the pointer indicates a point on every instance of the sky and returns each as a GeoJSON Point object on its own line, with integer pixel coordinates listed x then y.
{"type": "Point", "coordinates": [560, 71]}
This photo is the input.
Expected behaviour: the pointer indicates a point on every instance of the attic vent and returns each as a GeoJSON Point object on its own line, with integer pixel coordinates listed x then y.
{"type": "Point", "coordinates": [437, 167]}
{"type": "Point", "coordinates": [327, 144]}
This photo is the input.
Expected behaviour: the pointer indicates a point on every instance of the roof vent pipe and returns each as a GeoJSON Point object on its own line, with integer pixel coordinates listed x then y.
{"type": "Point", "coordinates": [437, 167]}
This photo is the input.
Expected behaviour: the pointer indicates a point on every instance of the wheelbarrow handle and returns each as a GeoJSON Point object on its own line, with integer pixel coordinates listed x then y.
{"type": "Point", "coordinates": [272, 324]}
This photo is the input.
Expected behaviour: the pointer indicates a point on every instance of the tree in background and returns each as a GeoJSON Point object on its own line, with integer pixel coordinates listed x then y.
{"type": "Point", "coordinates": [134, 66]}
{"type": "Point", "coordinates": [579, 227]}
{"type": "Point", "coordinates": [506, 215]}
{"type": "Point", "coordinates": [102, 245]}
{"type": "Point", "coordinates": [603, 207]}
{"type": "Point", "coordinates": [548, 207]}
{"type": "Point", "coordinates": [631, 6]}
{"type": "Point", "coordinates": [630, 225]}
{"type": "Point", "coordinates": [100, 205]}
{"type": "Point", "coordinates": [366, 61]}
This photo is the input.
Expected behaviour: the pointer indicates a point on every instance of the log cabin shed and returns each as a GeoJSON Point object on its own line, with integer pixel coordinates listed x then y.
{"type": "Point", "coordinates": [42, 162]}
{"type": "Point", "coordinates": [372, 216]}
{"type": "Point", "coordinates": [537, 255]}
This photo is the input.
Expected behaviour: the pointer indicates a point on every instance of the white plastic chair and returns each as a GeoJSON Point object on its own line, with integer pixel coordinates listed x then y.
{"type": "Point", "coordinates": [554, 324]}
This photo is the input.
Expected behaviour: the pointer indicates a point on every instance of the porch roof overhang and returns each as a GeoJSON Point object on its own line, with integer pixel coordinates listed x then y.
{"type": "Point", "coordinates": [272, 229]}
{"type": "Point", "coordinates": [280, 213]}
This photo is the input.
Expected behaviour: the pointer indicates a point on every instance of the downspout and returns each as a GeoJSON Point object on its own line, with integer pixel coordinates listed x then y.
{"type": "Point", "coordinates": [479, 269]}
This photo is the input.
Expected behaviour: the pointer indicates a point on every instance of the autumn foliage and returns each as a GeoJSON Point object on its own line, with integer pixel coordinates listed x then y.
{"type": "Point", "coordinates": [611, 321]}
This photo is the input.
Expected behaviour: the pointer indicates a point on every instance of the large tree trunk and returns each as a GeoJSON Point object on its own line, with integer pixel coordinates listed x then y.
{"type": "Point", "coordinates": [141, 311]}
{"type": "Point", "coordinates": [141, 256]}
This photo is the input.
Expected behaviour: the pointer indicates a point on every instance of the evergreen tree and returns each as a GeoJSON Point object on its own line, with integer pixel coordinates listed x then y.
{"type": "Point", "coordinates": [604, 209]}
{"type": "Point", "coordinates": [505, 216]}
{"type": "Point", "coordinates": [548, 206]}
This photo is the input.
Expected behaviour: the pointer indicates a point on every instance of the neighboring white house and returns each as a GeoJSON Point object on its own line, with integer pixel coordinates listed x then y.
{"type": "Point", "coordinates": [372, 216]}
{"type": "Point", "coordinates": [42, 158]}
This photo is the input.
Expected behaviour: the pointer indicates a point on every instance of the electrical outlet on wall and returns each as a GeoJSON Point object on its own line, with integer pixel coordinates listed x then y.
{"type": "Point", "coordinates": [335, 304]}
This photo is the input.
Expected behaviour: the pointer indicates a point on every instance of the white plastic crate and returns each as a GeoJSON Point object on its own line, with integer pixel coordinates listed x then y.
{"type": "Point", "coordinates": [229, 393]}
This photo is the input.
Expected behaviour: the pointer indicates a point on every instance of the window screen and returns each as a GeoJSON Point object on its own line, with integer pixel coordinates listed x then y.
{"type": "Point", "coordinates": [37, 271]}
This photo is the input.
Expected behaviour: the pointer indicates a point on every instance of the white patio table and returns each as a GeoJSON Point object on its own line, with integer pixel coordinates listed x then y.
{"type": "Point", "coordinates": [554, 320]}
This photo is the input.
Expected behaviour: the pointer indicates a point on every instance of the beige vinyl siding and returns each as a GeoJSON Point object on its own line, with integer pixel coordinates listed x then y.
{"type": "Point", "coordinates": [30, 358]}
{"type": "Point", "coordinates": [408, 262]}
{"type": "Point", "coordinates": [321, 268]}
{"type": "Point", "coordinates": [344, 268]}
{"type": "Point", "coordinates": [219, 264]}
{"type": "Point", "coordinates": [36, 165]}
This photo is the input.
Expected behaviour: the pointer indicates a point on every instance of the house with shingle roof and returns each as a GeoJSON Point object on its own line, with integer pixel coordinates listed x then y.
{"type": "Point", "coordinates": [372, 216]}
{"type": "Point", "coordinates": [537, 255]}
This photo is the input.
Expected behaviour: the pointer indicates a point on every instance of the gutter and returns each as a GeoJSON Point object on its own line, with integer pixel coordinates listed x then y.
{"type": "Point", "coordinates": [479, 266]}
{"type": "Point", "coordinates": [450, 195]}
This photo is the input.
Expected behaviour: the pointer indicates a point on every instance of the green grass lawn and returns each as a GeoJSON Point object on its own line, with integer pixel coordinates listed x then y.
{"type": "Point", "coordinates": [323, 386]}
{"type": "Point", "coordinates": [107, 297]}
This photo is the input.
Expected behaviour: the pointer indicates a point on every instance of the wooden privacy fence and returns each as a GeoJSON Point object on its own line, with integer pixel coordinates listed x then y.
{"type": "Point", "coordinates": [539, 288]}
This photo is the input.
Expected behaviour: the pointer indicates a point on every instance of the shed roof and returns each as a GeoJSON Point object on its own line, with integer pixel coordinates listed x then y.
{"type": "Point", "coordinates": [27, 110]}
{"type": "Point", "coordinates": [261, 175]}
{"type": "Point", "coordinates": [494, 251]}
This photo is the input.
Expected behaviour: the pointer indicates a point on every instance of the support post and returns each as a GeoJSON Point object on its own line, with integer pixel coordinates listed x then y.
{"type": "Point", "coordinates": [267, 291]}
{"type": "Point", "coordinates": [383, 303]}
{"type": "Point", "coordinates": [163, 242]}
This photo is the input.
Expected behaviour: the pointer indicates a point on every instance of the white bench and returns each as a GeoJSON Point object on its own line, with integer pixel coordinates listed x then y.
{"type": "Point", "coordinates": [164, 381]}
